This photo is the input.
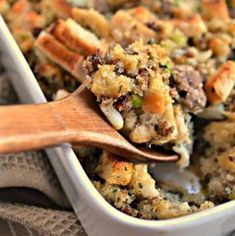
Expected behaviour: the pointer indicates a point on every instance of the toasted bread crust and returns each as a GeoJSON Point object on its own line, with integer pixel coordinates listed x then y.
{"type": "Point", "coordinates": [64, 31]}
{"type": "Point", "coordinates": [215, 9]}
{"type": "Point", "coordinates": [113, 170]}
{"type": "Point", "coordinates": [59, 54]}
{"type": "Point", "coordinates": [220, 85]}
{"type": "Point", "coordinates": [92, 19]}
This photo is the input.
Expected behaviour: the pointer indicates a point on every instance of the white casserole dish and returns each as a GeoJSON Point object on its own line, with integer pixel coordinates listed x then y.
{"type": "Point", "coordinates": [98, 217]}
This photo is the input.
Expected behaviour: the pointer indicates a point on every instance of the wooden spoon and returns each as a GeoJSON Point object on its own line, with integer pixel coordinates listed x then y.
{"type": "Point", "coordinates": [74, 119]}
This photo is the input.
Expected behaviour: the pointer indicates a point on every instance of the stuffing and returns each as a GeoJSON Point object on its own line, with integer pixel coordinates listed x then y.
{"type": "Point", "coordinates": [49, 73]}
{"type": "Point", "coordinates": [219, 47]}
{"type": "Point", "coordinates": [55, 9]}
{"type": "Point", "coordinates": [226, 160]}
{"type": "Point", "coordinates": [220, 85]}
{"type": "Point", "coordinates": [162, 73]}
{"type": "Point", "coordinates": [91, 19]}
{"type": "Point", "coordinates": [114, 171]}
{"type": "Point", "coordinates": [142, 14]}
{"type": "Point", "coordinates": [163, 209]}
{"type": "Point", "coordinates": [24, 38]}
{"type": "Point", "coordinates": [142, 183]}
{"type": "Point", "coordinates": [184, 9]}
{"type": "Point", "coordinates": [193, 26]}
{"type": "Point", "coordinates": [120, 198]}
{"type": "Point", "coordinates": [124, 33]}
{"type": "Point", "coordinates": [148, 93]}
{"type": "Point", "coordinates": [220, 138]}
{"type": "Point", "coordinates": [75, 37]}
{"type": "Point", "coordinates": [220, 183]}
{"type": "Point", "coordinates": [107, 84]}
{"type": "Point", "coordinates": [132, 87]}
{"type": "Point", "coordinates": [217, 163]}
{"type": "Point", "coordinates": [188, 83]}
{"type": "Point", "coordinates": [61, 8]}
{"type": "Point", "coordinates": [214, 9]}
{"type": "Point", "coordinates": [47, 10]}
{"type": "Point", "coordinates": [229, 105]}
{"type": "Point", "coordinates": [4, 6]}
{"type": "Point", "coordinates": [115, 4]}
{"type": "Point", "coordinates": [230, 27]}
{"type": "Point", "coordinates": [143, 200]}
{"type": "Point", "coordinates": [168, 35]}
{"type": "Point", "coordinates": [19, 9]}
{"type": "Point", "coordinates": [30, 21]}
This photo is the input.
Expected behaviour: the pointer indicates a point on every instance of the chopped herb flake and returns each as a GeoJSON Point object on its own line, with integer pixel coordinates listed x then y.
{"type": "Point", "coordinates": [120, 88]}
{"type": "Point", "coordinates": [114, 190]}
{"type": "Point", "coordinates": [137, 101]}
{"type": "Point", "coordinates": [166, 66]}
{"type": "Point", "coordinates": [140, 185]}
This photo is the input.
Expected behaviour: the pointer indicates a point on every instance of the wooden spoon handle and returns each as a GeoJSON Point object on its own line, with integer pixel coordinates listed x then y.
{"type": "Point", "coordinates": [28, 127]}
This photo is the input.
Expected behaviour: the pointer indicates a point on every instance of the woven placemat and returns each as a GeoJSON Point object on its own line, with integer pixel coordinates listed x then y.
{"type": "Point", "coordinates": [32, 201]}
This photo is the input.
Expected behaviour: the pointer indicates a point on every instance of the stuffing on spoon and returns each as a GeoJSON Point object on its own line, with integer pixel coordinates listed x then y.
{"type": "Point", "coordinates": [132, 87]}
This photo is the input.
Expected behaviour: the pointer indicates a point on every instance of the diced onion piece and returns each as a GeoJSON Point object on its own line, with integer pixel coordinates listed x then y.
{"type": "Point", "coordinates": [60, 94]}
{"type": "Point", "coordinates": [113, 116]}
{"type": "Point", "coordinates": [212, 113]}
{"type": "Point", "coordinates": [183, 162]}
